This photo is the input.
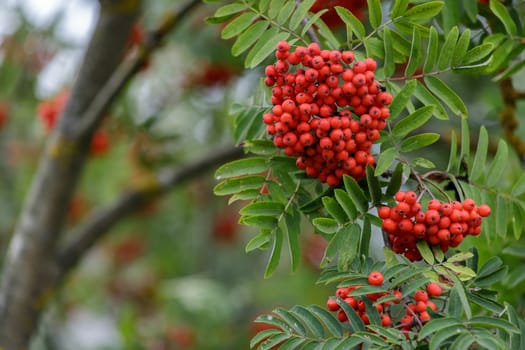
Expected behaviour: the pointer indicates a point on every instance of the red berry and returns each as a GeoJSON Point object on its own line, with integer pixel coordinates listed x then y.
{"type": "Point", "coordinates": [375, 278]}
{"type": "Point", "coordinates": [434, 289]}
{"type": "Point", "coordinates": [484, 210]}
{"type": "Point", "coordinates": [332, 305]}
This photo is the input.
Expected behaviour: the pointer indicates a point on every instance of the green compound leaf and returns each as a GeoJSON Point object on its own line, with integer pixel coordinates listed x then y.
{"type": "Point", "coordinates": [332, 324]}
{"type": "Point", "coordinates": [423, 95]}
{"type": "Point", "coordinates": [326, 225]}
{"type": "Point", "coordinates": [478, 53]}
{"type": "Point", "coordinates": [238, 25]}
{"type": "Point", "coordinates": [425, 251]}
{"type": "Point", "coordinates": [424, 12]}
{"type": "Point", "coordinates": [435, 325]}
{"type": "Point", "coordinates": [445, 333]}
{"type": "Point", "coordinates": [401, 99]}
{"type": "Point", "coordinates": [352, 21]}
{"type": "Point", "coordinates": [504, 16]}
{"type": "Point", "coordinates": [311, 20]}
{"type": "Point", "coordinates": [232, 186]}
{"type": "Point", "coordinates": [399, 7]}
{"type": "Point", "coordinates": [291, 226]}
{"type": "Point", "coordinates": [356, 193]}
{"type": "Point", "coordinates": [259, 337]}
{"type": "Point", "coordinates": [300, 13]}
{"type": "Point", "coordinates": [375, 15]}
{"type": "Point", "coordinates": [498, 164]}
{"type": "Point", "coordinates": [477, 170]}
{"type": "Point", "coordinates": [275, 255]}
{"type": "Point", "coordinates": [314, 326]}
{"type": "Point", "coordinates": [249, 37]}
{"type": "Point", "coordinates": [346, 203]}
{"type": "Point", "coordinates": [415, 142]}
{"type": "Point", "coordinates": [460, 289]}
{"type": "Point", "coordinates": [385, 160]}
{"type": "Point", "coordinates": [229, 10]}
{"type": "Point", "coordinates": [258, 242]}
{"type": "Point", "coordinates": [263, 208]}
{"type": "Point", "coordinates": [432, 50]}
{"type": "Point", "coordinates": [415, 58]}
{"type": "Point", "coordinates": [292, 321]}
{"type": "Point", "coordinates": [461, 48]}
{"type": "Point", "coordinates": [335, 210]}
{"type": "Point", "coordinates": [447, 50]}
{"type": "Point", "coordinates": [413, 121]}
{"type": "Point", "coordinates": [447, 95]}
{"type": "Point", "coordinates": [389, 64]}
{"type": "Point", "coordinates": [264, 47]}
{"type": "Point", "coordinates": [246, 166]}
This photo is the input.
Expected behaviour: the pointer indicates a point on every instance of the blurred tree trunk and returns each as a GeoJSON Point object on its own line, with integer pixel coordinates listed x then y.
{"type": "Point", "coordinates": [29, 272]}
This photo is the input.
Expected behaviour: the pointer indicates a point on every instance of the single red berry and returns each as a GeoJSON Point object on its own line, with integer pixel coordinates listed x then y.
{"type": "Point", "coordinates": [484, 210]}
{"type": "Point", "coordinates": [421, 295]}
{"type": "Point", "coordinates": [434, 289]}
{"type": "Point", "coordinates": [375, 278]}
{"type": "Point", "coordinates": [332, 305]}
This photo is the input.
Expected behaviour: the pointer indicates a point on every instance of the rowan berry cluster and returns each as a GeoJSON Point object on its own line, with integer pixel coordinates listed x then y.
{"type": "Point", "coordinates": [327, 111]}
{"type": "Point", "coordinates": [443, 224]}
{"type": "Point", "coordinates": [412, 310]}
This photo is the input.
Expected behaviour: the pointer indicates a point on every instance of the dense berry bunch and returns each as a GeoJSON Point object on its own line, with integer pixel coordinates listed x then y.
{"type": "Point", "coordinates": [407, 313]}
{"type": "Point", "coordinates": [443, 224]}
{"type": "Point", "coordinates": [327, 111]}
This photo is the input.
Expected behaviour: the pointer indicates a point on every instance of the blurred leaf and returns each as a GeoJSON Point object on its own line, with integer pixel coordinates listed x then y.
{"type": "Point", "coordinates": [385, 160]}
{"type": "Point", "coordinates": [364, 241]}
{"type": "Point", "coordinates": [232, 186]}
{"type": "Point", "coordinates": [461, 256]}
{"type": "Point", "coordinates": [453, 157]}
{"type": "Point", "coordinates": [352, 21]}
{"type": "Point", "coordinates": [497, 167]}
{"type": "Point", "coordinates": [300, 13]}
{"type": "Point", "coordinates": [249, 37]}
{"type": "Point", "coordinates": [275, 255]}
{"type": "Point", "coordinates": [447, 95]}
{"type": "Point", "coordinates": [465, 140]}
{"type": "Point", "coordinates": [423, 12]}
{"type": "Point", "coordinates": [246, 166]}
{"type": "Point", "coordinates": [480, 158]}
{"type": "Point", "coordinates": [504, 16]}
{"type": "Point", "coordinates": [464, 273]}
{"type": "Point", "coordinates": [274, 340]}
{"type": "Point", "coordinates": [415, 142]}
{"type": "Point", "coordinates": [447, 50]}
{"type": "Point", "coordinates": [413, 121]}
{"type": "Point", "coordinates": [374, 13]}
{"type": "Point", "coordinates": [492, 323]}
{"type": "Point", "coordinates": [327, 34]}
{"type": "Point", "coordinates": [238, 25]}
{"type": "Point", "coordinates": [515, 249]}
{"type": "Point", "coordinates": [275, 7]}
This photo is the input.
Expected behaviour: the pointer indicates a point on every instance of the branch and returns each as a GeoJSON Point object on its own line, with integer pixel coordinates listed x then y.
{"type": "Point", "coordinates": [98, 224]}
{"type": "Point", "coordinates": [25, 287]}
